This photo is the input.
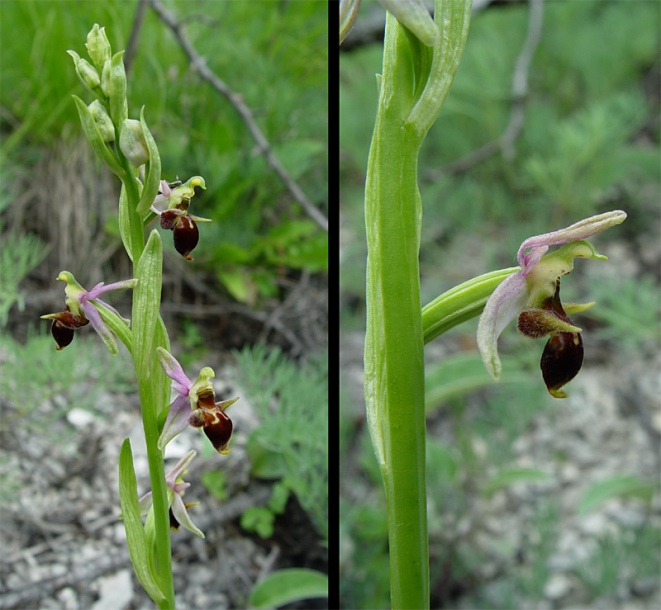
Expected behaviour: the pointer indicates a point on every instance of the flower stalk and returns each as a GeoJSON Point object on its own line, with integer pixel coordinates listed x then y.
{"type": "Point", "coordinates": [394, 374]}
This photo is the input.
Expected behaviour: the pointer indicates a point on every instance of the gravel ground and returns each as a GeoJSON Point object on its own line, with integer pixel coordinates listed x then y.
{"type": "Point", "coordinates": [609, 425]}
{"type": "Point", "coordinates": [62, 546]}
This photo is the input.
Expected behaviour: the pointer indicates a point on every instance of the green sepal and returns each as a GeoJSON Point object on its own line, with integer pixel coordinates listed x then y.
{"type": "Point", "coordinates": [136, 539]}
{"type": "Point", "coordinates": [118, 326]}
{"type": "Point", "coordinates": [152, 171]}
{"type": "Point", "coordinates": [93, 134]}
{"type": "Point", "coordinates": [460, 303]}
{"type": "Point", "coordinates": [572, 308]}
{"type": "Point", "coordinates": [131, 228]}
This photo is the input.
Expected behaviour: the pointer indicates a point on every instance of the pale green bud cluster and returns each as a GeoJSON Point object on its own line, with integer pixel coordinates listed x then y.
{"type": "Point", "coordinates": [134, 157]}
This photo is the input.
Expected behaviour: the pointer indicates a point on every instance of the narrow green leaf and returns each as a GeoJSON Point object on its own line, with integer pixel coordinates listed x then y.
{"type": "Point", "coordinates": [622, 486]}
{"type": "Point", "coordinates": [135, 533]}
{"type": "Point", "coordinates": [286, 586]}
{"type": "Point", "coordinates": [510, 476]}
{"type": "Point", "coordinates": [160, 381]}
{"type": "Point", "coordinates": [146, 304]}
{"type": "Point", "coordinates": [102, 150]}
{"type": "Point", "coordinates": [460, 303]}
{"type": "Point", "coordinates": [153, 169]}
{"type": "Point", "coordinates": [131, 228]}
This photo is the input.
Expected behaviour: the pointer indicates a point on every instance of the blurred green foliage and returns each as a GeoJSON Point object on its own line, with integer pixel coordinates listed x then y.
{"type": "Point", "coordinates": [590, 143]}
{"type": "Point", "coordinates": [291, 442]}
{"type": "Point", "coordinates": [273, 54]}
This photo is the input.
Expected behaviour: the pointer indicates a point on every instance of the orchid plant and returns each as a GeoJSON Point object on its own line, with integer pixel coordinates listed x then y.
{"type": "Point", "coordinates": [420, 59]}
{"type": "Point", "coordinates": [127, 147]}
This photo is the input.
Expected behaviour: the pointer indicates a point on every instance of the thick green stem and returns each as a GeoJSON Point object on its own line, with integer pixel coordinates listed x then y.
{"type": "Point", "coordinates": [394, 374]}
{"type": "Point", "coordinates": [415, 82]}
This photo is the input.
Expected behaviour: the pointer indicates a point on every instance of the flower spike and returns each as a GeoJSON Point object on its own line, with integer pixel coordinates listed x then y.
{"type": "Point", "coordinates": [533, 294]}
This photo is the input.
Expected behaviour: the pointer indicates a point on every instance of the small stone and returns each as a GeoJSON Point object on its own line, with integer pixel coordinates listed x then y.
{"type": "Point", "coordinates": [557, 586]}
{"type": "Point", "coordinates": [79, 417]}
{"type": "Point", "coordinates": [595, 525]}
{"type": "Point", "coordinates": [115, 591]}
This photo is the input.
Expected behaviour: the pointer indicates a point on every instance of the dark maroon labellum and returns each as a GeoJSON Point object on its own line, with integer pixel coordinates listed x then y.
{"type": "Point", "coordinates": [217, 425]}
{"type": "Point", "coordinates": [62, 334]}
{"type": "Point", "coordinates": [218, 428]}
{"type": "Point", "coordinates": [174, 524]}
{"type": "Point", "coordinates": [64, 323]}
{"type": "Point", "coordinates": [561, 361]}
{"type": "Point", "coordinates": [186, 236]}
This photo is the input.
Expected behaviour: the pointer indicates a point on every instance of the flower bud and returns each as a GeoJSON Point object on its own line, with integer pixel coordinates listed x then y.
{"type": "Point", "coordinates": [102, 120]}
{"type": "Point", "coordinates": [88, 74]}
{"type": "Point", "coordinates": [132, 143]}
{"type": "Point", "coordinates": [113, 85]}
{"type": "Point", "coordinates": [98, 46]}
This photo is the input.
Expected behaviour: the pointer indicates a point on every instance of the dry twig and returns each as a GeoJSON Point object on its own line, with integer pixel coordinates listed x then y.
{"type": "Point", "coordinates": [244, 111]}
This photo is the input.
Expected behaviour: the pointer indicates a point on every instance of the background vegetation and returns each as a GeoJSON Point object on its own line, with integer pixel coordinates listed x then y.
{"type": "Point", "coordinates": [259, 275]}
{"type": "Point", "coordinates": [589, 143]}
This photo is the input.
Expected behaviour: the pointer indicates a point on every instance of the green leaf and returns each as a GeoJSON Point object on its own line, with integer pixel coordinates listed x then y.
{"type": "Point", "coordinates": [266, 463]}
{"type": "Point", "coordinates": [279, 497]}
{"type": "Point", "coordinates": [214, 481]}
{"type": "Point", "coordinates": [286, 586]}
{"type": "Point", "coordinates": [259, 520]}
{"type": "Point", "coordinates": [146, 303]}
{"type": "Point", "coordinates": [510, 476]}
{"type": "Point", "coordinates": [239, 284]}
{"type": "Point", "coordinates": [94, 137]}
{"type": "Point", "coordinates": [153, 170]}
{"type": "Point", "coordinates": [130, 227]}
{"type": "Point", "coordinates": [622, 486]}
{"type": "Point", "coordinates": [135, 533]}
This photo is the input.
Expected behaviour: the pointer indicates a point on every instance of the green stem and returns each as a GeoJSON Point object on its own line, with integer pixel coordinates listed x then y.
{"type": "Point", "coordinates": [415, 82]}
{"type": "Point", "coordinates": [148, 270]}
{"type": "Point", "coordinates": [394, 374]}
{"type": "Point", "coordinates": [161, 512]}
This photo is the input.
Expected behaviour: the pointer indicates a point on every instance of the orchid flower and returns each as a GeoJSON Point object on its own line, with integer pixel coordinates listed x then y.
{"type": "Point", "coordinates": [171, 205]}
{"type": "Point", "coordinates": [195, 405]}
{"type": "Point", "coordinates": [176, 486]}
{"type": "Point", "coordinates": [83, 307]}
{"type": "Point", "coordinates": [533, 294]}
